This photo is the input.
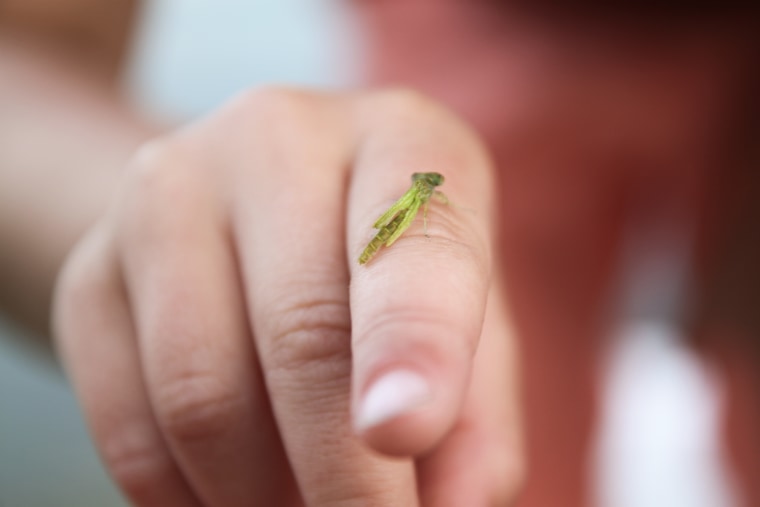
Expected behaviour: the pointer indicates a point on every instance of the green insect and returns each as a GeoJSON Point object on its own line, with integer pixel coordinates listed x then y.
{"type": "Point", "coordinates": [400, 216]}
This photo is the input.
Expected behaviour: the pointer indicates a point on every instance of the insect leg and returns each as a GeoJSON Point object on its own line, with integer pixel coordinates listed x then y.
{"type": "Point", "coordinates": [424, 218]}
{"type": "Point", "coordinates": [441, 197]}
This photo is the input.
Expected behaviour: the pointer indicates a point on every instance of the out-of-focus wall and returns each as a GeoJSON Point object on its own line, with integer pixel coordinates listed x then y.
{"type": "Point", "coordinates": [46, 458]}
{"type": "Point", "coordinates": [192, 55]}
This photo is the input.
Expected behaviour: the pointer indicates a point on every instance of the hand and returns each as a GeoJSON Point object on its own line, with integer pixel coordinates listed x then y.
{"type": "Point", "coordinates": [228, 349]}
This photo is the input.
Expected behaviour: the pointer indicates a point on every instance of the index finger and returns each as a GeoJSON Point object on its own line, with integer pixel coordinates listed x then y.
{"type": "Point", "coordinates": [417, 307]}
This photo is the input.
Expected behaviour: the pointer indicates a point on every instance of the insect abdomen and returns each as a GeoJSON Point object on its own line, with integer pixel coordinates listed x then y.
{"type": "Point", "coordinates": [381, 237]}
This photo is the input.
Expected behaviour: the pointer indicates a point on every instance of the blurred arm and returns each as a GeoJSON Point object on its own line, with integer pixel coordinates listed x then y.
{"type": "Point", "coordinates": [64, 135]}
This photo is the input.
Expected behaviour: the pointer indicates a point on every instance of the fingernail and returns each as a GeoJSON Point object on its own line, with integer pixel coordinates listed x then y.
{"type": "Point", "coordinates": [393, 394]}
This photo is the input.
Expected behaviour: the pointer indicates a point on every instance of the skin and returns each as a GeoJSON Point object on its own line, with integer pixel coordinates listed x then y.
{"type": "Point", "coordinates": [216, 326]}
{"type": "Point", "coordinates": [184, 397]}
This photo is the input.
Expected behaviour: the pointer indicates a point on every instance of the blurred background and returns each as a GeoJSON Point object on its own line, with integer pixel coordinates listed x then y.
{"type": "Point", "coordinates": [656, 443]}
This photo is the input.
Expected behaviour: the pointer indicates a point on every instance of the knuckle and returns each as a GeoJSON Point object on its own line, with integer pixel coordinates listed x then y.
{"type": "Point", "coordinates": [274, 118]}
{"type": "Point", "coordinates": [151, 160]}
{"type": "Point", "coordinates": [164, 187]}
{"type": "Point", "coordinates": [275, 106]}
{"type": "Point", "coordinates": [399, 107]}
{"type": "Point", "coordinates": [408, 105]}
{"type": "Point", "coordinates": [197, 407]}
{"type": "Point", "coordinates": [305, 332]}
{"type": "Point", "coordinates": [403, 99]}
{"type": "Point", "coordinates": [157, 169]}
{"type": "Point", "coordinates": [136, 461]}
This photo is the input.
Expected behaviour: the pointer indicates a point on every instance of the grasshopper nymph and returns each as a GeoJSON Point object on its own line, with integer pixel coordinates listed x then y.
{"type": "Point", "coordinates": [399, 217]}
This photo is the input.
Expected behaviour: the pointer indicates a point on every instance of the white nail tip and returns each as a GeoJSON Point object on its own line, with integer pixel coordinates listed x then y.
{"type": "Point", "coordinates": [391, 395]}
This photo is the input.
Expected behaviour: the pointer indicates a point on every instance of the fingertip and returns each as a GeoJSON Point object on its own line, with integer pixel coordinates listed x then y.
{"type": "Point", "coordinates": [403, 414]}
{"type": "Point", "coordinates": [411, 396]}
{"type": "Point", "coordinates": [395, 393]}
